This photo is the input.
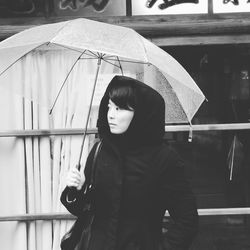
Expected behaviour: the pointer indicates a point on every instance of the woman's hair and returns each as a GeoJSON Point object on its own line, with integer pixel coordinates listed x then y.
{"type": "Point", "coordinates": [123, 96]}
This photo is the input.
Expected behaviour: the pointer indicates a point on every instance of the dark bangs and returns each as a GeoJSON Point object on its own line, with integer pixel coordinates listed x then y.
{"type": "Point", "coordinates": [123, 96]}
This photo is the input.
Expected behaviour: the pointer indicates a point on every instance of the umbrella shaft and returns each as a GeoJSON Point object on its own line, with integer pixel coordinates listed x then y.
{"type": "Point", "coordinates": [90, 106]}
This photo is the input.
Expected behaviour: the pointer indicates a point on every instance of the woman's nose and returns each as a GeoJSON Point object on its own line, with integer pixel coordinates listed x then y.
{"type": "Point", "coordinates": [111, 113]}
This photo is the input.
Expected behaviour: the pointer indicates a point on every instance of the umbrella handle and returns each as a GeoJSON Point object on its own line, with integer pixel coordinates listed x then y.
{"type": "Point", "coordinates": [90, 106]}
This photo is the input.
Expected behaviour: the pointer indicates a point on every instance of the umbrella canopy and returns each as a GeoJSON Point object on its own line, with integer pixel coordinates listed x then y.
{"type": "Point", "coordinates": [121, 48]}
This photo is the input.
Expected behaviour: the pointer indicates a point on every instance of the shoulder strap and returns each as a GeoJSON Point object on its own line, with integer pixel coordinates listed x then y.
{"type": "Point", "coordinates": [93, 167]}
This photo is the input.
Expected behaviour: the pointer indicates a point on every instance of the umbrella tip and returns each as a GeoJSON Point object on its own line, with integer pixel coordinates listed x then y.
{"type": "Point", "coordinates": [190, 134]}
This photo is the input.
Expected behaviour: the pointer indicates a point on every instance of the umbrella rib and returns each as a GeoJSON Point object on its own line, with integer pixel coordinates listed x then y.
{"type": "Point", "coordinates": [88, 58]}
{"type": "Point", "coordinates": [91, 54]}
{"type": "Point", "coordinates": [118, 59]}
{"type": "Point", "coordinates": [107, 61]}
{"type": "Point", "coordinates": [128, 61]}
{"type": "Point", "coordinates": [100, 55]}
{"type": "Point", "coordinates": [76, 50]}
{"type": "Point", "coordinates": [63, 84]}
{"type": "Point", "coordinates": [143, 44]}
{"type": "Point", "coordinates": [95, 55]}
{"type": "Point", "coordinates": [67, 22]}
{"type": "Point", "coordinates": [66, 47]}
{"type": "Point", "coordinates": [107, 57]}
{"type": "Point", "coordinates": [20, 58]}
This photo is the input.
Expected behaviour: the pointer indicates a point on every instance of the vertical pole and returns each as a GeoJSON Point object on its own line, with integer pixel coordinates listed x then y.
{"type": "Point", "coordinates": [210, 8]}
{"type": "Point", "coordinates": [128, 7]}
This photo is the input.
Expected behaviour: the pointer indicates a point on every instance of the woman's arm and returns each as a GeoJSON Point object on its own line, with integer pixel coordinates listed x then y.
{"type": "Point", "coordinates": [72, 196]}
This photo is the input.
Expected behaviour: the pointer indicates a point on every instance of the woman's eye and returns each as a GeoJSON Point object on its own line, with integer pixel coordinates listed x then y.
{"type": "Point", "coordinates": [114, 107]}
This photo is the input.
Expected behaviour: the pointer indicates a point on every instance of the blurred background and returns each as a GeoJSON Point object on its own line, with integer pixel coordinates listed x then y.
{"type": "Point", "coordinates": [211, 39]}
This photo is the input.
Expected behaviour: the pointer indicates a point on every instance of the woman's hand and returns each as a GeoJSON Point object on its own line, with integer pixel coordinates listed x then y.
{"type": "Point", "coordinates": [74, 178]}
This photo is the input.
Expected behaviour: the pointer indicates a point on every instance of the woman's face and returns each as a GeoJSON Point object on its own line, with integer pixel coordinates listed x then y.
{"type": "Point", "coordinates": [118, 119]}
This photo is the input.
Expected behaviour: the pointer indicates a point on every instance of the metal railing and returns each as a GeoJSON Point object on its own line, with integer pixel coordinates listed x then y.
{"type": "Point", "coordinates": [67, 216]}
{"type": "Point", "coordinates": [79, 131]}
{"type": "Point", "coordinates": [76, 131]}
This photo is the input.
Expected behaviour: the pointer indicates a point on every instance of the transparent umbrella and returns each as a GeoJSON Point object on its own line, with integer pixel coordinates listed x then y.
{"type": "Point", "coordinates": [115, 50]}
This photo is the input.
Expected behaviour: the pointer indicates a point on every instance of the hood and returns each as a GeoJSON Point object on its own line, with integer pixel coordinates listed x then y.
{"type": "Point", "coordinates": [148, 124]}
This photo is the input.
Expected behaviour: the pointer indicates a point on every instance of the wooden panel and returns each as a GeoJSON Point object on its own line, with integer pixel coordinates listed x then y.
{"type": "Point", "coordinates": [201, 40]}
{"type": "Point", "coordinates": [164, 30]}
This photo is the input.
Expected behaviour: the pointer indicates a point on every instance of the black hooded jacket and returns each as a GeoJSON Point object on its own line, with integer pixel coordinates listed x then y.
{"type": "Point", "coordinates": [137, 179]}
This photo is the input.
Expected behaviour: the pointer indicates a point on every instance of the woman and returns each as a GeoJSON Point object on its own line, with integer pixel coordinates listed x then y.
{"type": "Point", "coordinates": [138, 177]}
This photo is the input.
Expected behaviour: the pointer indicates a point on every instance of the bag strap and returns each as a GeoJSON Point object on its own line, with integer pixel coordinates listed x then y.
{"type": "Point", "coordinates": [93, 168]}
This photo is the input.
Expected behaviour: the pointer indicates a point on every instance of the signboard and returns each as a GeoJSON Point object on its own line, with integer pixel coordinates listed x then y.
{"type": "Point", "coordinates": [84, 8]}
{"type": "Point", "coordinates": [87, 8]}
{"type": "Point", "coordinates": [19, 8]}
{"type": "Point", "coordinates": [166, 7]}
{"type": "Point", "coordinates": [102, 8]}
{"type": "Point", "coordinates": [231, 6]}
